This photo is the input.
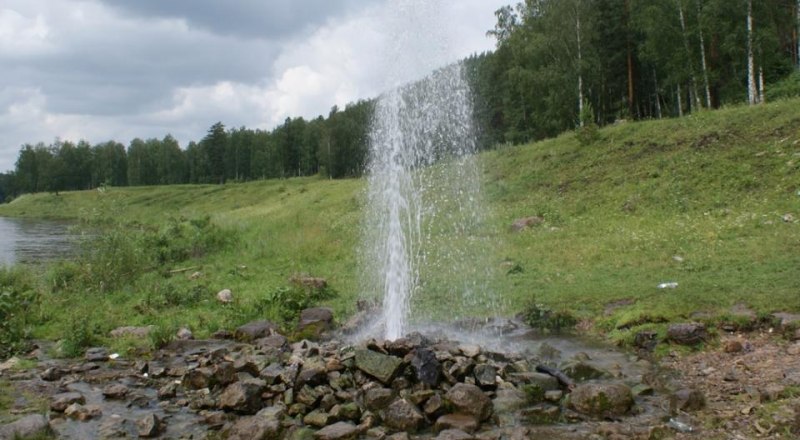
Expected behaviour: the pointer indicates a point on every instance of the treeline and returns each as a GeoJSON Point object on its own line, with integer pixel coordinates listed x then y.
{"type": "Point", "coordinates": [559, 64]}
{"type": "Point", "coordinates": [335, 146]}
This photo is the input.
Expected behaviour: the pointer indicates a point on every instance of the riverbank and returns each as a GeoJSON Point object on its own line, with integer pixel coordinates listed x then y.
{"type": "Point", "coordinates": [705, 207]}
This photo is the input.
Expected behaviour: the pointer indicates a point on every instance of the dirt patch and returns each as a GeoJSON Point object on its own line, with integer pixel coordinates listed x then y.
{"type": "Point", "coordinates": [751, 383]}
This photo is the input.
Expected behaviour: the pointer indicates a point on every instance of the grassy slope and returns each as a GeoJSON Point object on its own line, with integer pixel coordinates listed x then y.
{"type": "Point", "coordinates": [710, 188]}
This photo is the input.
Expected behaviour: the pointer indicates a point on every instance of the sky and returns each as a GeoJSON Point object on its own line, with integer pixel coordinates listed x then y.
{"type": "Point", "coordinates": [119, 69]}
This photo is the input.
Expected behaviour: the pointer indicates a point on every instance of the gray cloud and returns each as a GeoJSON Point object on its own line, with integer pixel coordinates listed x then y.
{"type": "Point", "coordinates": [248, 18]}
{"type": "Point", "coordinates": [119, 69]}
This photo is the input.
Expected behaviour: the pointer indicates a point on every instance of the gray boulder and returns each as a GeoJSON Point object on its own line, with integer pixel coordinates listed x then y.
{"type": "Point", "coordinates": [601, 400]}
{"type": "Point", "coordinates": [403, 415]}
{"type": "Point", "coordinates": [469, 399]}
{"type": "Point", "coordinates": [380, 366]}
{"type": "Point", "coordinates": [254, 330]}
{"type": "Point", "coordinates": [34, 425]}
{"type": "Point", "coordinates": [337, 431]}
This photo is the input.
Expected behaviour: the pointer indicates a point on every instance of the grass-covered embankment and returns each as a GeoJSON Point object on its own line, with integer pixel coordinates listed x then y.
{"type": "Point", "coordinates": [699, 201]}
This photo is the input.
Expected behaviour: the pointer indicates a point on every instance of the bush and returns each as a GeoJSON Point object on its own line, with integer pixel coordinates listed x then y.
{"type": "Point", "coordinates": [81, 333]}
{"type": "Point", "coordinates": [788, 87]}
{"type": "Point", "coordinates": [545, 318]}
{"type": "Point", "coordinates": [588, 131]}
{"type": "Point", "coordinates": [17, 295]}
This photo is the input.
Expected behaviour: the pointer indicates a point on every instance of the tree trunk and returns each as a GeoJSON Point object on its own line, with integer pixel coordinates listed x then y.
{"type": "Point", "coordinates": [703, 56]}
{"type": "Point", "coordinates": [797, 34]}
{"type": "Point", "coordinates": [680, 102]}
{"type": "Point", "coordinates": [658, 101]}
{"type": "Point", "coordinates": [760, 84]}
{"type": "Point", "coordinates": [751, 68]}
{"type": "Point", "coordinates": [580, 67]}
{"type": "Point", "coordinates": [631, 88]}
{"type": "Point", "coordinates": [692, 81]}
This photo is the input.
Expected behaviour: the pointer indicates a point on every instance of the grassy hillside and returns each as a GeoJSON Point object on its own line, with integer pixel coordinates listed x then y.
{"type": "Point", "coordinates": [699, 201]}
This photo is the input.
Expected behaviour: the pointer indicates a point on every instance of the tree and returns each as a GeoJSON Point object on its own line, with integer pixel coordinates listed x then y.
{"type": "Point", "coordinates": [214, 145]}
{"type": "Point", "coordinates": [752, 97]}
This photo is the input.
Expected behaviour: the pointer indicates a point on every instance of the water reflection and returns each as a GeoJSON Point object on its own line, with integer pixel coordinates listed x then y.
{"type": "Point", "coordinates": [33, 241]}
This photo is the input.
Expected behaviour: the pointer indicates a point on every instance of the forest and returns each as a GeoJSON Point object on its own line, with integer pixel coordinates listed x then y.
{"type": "Point", "coordinates": [558, 65]}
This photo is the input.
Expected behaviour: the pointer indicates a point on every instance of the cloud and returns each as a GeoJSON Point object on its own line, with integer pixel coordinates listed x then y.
{"type": "Point", "coordinates": [119, 69]}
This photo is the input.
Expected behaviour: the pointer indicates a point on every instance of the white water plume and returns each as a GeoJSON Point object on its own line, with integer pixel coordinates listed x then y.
{"type": "Point", "coordinates": [426, 254]}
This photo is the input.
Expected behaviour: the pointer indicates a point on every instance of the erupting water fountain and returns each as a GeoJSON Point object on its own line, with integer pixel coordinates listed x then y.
{"type": "Point", "coordinates": [426, 250]}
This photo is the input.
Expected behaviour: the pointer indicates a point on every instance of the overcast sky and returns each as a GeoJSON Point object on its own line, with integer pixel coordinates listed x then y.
{"type": "Point", "coordinates": [119, 69]}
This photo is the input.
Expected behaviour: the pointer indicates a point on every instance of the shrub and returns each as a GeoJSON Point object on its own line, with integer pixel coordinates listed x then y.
{"type": "Point", "coordinates": [17, 295]}
{"type": "Point", "coordinates": [545, 318]}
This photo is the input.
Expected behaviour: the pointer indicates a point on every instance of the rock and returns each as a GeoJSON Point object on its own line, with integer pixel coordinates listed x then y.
{"type": "Point", "coordinates": [685, 400]}
{"type": "Point", "coordinates": [214, 419]}
{"type": "Point", "coordinates": [399, 436]}
{"type": "Point", "coordinates": [601, 400]}
{"type": "Point", "coordinates": [34, 425]}
{"type": "Point", "coordinates": [115, 426]}
{"type": "Point", "coordinates": [553, 396]}
{"type": "Point", "coordinates": [526, 222]}
{"type": "Point", "coordinates": [243, 396]}
{"type": "Point", "coordinates": [541, 414]}
{"type": "Point", "coordinates": [509, 400]}
{"type": "Point", "coordinates": [82, 413]}
{"type": "Point", "coordinates": [426, 366]}
{"type": "Point", "coordinates": [403, 415]}
{"type": "Point", "coordinates": [794, 349]}
{"type": "Point", "coordinates": [772, 393]}
{"type": "Point", "coordinates": [131, 332]}
{"type": "Point", "coordinates": [434, 406]}
{"type": "Point", "coordinates": [60, 402]}
{"type": "Point", "coordinates": [485, 375]}
{"type": "Point", "coordinates": [258, 427]}
{"type": "Point", "coordinates": [198, 378]}
{"type": "Point", "coordinates": [184, 334]}
{"type": "Point", "coordinates": [786, 320]}
{"type": "Point", "coordinates": [96, 354]}
{"type": "Point", "coordinates": [380, 366]}
{"type": "Point", "coordinates": [646, 340]}
{"type": "Point", "coordinates": [544, 382]}
{"type": "Point", "coordinates": [581, 371]}
{"type": "Point", "coordinates": [469, 399]}
{"type": "Point", "coordinates": [315, 320]}
{"type": "Point", "coordinates": [317, 418]}
{"type": "Point", "coordinates": [462, 422]}
{"type": "Point", "coordinates": [787, 218]}
{"type": "Point", "coordinates": [308, 396]}
{"type": "Point", "coordinates": [115, 391]}
{"type": "Point", "coordinates": [312, 373]}
{"type": "Point", "coordinates": [168, 391]}
{"type": "Point", "coordinates": [52, 374]}
{"type": "Point", "coordinates": [346, 411]}
{"type": "Point", "coordinates": [337, 431]}
{"type": "Point", "coordinates": [733, 346]}
{"type": "Point", "coordinates": [225, 296]}
{"type": "Point", "coordinates": [642, 390]}
{"type": "Point", "coordinates": [687, 334]}
{"type": "Point", "coordinates": [454, 434]}
{"type": "Point", "coordinates": [470, 350]}
{"type": "Point", "coordinates": [376, 399]}
{"type": "Point", "coordinates": [274, 341]}
{"type": "Point", "coordinates": [9, 365]}
{"type": "Point", "coordinates": [148, 426]}
{"type": "Point", "coordinates": [254, 330]}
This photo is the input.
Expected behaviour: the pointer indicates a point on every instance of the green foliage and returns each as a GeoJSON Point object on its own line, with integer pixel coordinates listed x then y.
{"type": "Point", "coordinates": [546, 319]}
{"type": "Point", "coordinates": [17, 296]}
{"type": "Point", "coordinates": [587, 132]}
{"type": "Point", "coordinates": [288, 302]}
{"type": "Point", "coordinates": [788, 87]}
{"type": "Point", "coordinates": [80, 333]}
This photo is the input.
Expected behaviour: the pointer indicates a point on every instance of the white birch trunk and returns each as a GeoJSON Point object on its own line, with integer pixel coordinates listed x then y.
{"type": "Point", "coordinates": [694, 95]}
{"type": "Point", "coordinates": [751, 64]}
{"type": "Point", "coordinates": [680, 102]}
{"type": "Point", "coordinates": [703, 57]}
{"type": "Point", "coordinates": [760, 84]}
{"type": "Point", "coordinates": [797, 32]}
{"type": "Point", "coordinates": [658, 100]}
{"type": "Point", "coordinates": [580, 67]}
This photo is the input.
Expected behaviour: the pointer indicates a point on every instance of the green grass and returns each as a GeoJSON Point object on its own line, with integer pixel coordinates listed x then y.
{"type": "Point", "coordinates": [710, 188]}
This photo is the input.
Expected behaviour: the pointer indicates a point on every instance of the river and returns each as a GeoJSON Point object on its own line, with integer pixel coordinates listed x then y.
{"type": "Point", "coordinates": [33, 240]}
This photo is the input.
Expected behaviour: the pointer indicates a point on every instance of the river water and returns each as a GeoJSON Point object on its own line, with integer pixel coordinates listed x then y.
{"type": "Point", "coordinates": [33, 241]}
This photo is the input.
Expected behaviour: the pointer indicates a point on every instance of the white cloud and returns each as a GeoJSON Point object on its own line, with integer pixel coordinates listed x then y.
{"type": "Point", "coordinates": [82, 69]}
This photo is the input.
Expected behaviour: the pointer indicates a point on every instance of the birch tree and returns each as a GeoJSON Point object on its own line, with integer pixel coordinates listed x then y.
{"type": "Point", "coordinates": [703, 62]}
{"type": "Point", "coordinates": [751, 67]}
{"type": "Point", "coordinates": [692, 78]}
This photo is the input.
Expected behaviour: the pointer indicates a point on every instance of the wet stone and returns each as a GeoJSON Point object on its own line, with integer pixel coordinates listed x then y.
{"type": "Point", "coordinates": [380, 366]}
{"type": "Point", "coordinates": [376, 399]}
{"type": "Point", "coordinates": [148, 426]}
{"type": "Point", "coordinates": [403, 415]}
{"type": "Point", "coordinates": [52, 374]}
{"type": "Point", "coordinates": [454, 434]}
{"type": "Point", "coordinates": [115, 391]}
{"type": "Point", "coordinates": [242, 397]}
{"type": "Point", "coordinates": [337, 431]}
{"type": "Point", "coordinates": [96, 354]}
{"type": "Point", "coordinates": [469, 399]}
{"type": "Point", "coordinates": [254, 330]}
{"type": "Point", "coordinates": [541, 414]}
{"type": "Point", "coordinates": [601, 400]}
{"type": "Point", "coordinates": [462, 422]}
{"type": "Point", "coordinates": [686, 400]}
{"type": "Point", "coordinates": [317, 418]}
{"type": "Point", "coordinates": [82, 413]}
{"type": "Point", "coordinates": [168, 391]}
{"type": "Point", "coordinates": [34, 425]}
{"type": "Point", "coordinates": [687, 334]}
{"type": "Point", "coordinates": [426, 366]}
{"type": "Point", "coordinates": [60, 402]}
